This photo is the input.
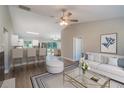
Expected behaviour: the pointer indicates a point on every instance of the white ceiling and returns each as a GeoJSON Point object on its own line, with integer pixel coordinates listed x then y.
{"type": "Point", "coordinates": [39, 18]}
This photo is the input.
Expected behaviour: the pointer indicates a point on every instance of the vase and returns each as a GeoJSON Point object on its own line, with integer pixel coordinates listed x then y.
{"type": "Point", "coordinates": [83, 71]}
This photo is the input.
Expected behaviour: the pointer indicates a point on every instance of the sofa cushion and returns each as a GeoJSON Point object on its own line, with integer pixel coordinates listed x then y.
{"type": "Point", "coordinates": [97, 58]}
{"type": "Point", "coordinates": [91, 57]}
{"type": "Point", "coordinates": [93, 64]}
{"type": "Point", "coordinates": [113, 61]}
{"type": "Point", "coordinates": [111, 69]}
{"type": "Point", "coordinates": [121, 62]}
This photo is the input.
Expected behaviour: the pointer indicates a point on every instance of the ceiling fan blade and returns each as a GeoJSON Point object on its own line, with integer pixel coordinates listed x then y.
{"type": "Point", "coordinates": [56, 22]}
{"type": "Point", "coordinates": [69, 14]}
{"type": "Point", "coordinates": [73, 20]}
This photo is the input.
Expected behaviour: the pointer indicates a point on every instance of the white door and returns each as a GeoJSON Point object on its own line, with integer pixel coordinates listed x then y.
{"type": "Point", "coordinates": [77, 49]}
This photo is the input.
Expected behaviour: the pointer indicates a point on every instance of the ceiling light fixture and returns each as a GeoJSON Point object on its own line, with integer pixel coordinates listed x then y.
{"type": "Point", "coordinates": [33, 33]}
{"type": "Point", "coordinates": [63, 23]}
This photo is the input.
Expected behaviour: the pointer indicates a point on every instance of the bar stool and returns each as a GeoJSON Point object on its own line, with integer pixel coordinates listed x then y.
{"type": "Point", "coordinates": [42, 54]}
{"type": "Point", "coordinates": [17, 55]}
{"type": "Point", "coordinates": [31, 55]}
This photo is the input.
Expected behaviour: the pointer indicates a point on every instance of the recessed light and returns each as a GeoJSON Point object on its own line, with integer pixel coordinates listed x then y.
{"type": "Point", "coordinates": [33, 33]}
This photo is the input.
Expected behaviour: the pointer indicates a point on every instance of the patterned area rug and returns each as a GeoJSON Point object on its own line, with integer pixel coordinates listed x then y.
{"type": "Point", "coordinates": [48, 80]}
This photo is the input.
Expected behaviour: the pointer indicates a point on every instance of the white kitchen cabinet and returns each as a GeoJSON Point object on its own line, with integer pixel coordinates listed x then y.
{"type": "Point", "coordinates": [14, 40]}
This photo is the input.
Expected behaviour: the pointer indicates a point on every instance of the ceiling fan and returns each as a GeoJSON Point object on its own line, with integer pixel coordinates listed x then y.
{"type": "Point", "coordinates": [65, 19]}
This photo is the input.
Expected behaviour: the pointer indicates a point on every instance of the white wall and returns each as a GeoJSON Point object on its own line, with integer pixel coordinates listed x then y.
{"type": "Point", "coordinates": [90, 32]}
{"type": "Point", "coordinates": [5, 21]}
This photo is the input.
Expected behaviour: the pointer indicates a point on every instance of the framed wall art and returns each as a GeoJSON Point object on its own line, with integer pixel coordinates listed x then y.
{"type": "Point", "coordinates": [109, 43]}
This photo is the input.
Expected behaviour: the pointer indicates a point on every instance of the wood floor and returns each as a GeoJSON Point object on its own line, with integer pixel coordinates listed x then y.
{"type": "Point", "coordinates": [23, 73]}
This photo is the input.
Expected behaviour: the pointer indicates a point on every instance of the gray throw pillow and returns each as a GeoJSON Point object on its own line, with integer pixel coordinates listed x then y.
{"type": "Point", "coordinates": [83, 54]}
{"type": "Point", "coordinates": [86, 56]}
{"type": "Point", "coordinates": [121, 62]}
{"type": "Point", "coordinates": [104, 59]}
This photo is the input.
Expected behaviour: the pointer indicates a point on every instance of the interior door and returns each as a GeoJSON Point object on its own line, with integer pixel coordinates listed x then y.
{"type": "Point", "coordinates": [77, 48]}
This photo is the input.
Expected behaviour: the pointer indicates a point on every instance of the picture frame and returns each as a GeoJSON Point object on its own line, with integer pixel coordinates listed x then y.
{"type": "Point", "coordinates": [108, 43]}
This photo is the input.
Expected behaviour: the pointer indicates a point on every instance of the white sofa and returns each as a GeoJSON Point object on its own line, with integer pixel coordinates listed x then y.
{"type": "Point", "coordinates": [97, 64]}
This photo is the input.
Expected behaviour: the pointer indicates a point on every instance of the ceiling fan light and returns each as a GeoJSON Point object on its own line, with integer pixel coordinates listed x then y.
{"type": "Point", "coordinates": [61, 23]}
{"type": "Point", "coordinates": [66, 23]}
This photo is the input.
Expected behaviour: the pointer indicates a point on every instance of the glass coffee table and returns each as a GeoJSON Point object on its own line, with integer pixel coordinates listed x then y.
{"type": "Point", "coordinates": [88, 80]}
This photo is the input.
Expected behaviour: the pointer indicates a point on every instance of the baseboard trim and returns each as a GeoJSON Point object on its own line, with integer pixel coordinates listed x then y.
{"type": "Point", "coordinates": [68, 59]}
{"type": "Point", "coordinates": [25, 63]}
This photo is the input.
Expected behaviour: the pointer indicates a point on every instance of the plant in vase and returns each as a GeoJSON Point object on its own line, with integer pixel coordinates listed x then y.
{"type": "Point", "coordinates": [83, 65]}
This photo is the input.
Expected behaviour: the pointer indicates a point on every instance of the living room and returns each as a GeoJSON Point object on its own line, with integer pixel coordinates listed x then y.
{"type": "Point", "coordinates": [84, 39]}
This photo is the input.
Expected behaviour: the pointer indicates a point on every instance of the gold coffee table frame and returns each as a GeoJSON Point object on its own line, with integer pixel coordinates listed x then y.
{"type": "Point", "coordinates": [67, 77]}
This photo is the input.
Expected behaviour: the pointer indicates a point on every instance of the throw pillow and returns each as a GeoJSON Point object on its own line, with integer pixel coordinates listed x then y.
{"type": "Point", "coordinates": [113, 61]}
{"type": "Point", "coordinates": [86, 56]}
{"type": "Point", "coordinates": [83, 54]}
{"type": "Point", "coordinates": [90, 57]}
{"type": "Point", "coordinates": [104, 59]}
{"type": "Point", "coordinates": [97, 58]}
{"type": "Point", "coordinates": [121, 62]}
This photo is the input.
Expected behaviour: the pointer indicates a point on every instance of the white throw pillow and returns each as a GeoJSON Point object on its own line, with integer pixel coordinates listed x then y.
{"type": "Point", "coordinates": [97, 58]}
{"type": "Point", "coordinates": [113, 61]}
{"type": "Point", "coordinates": [90, 57]}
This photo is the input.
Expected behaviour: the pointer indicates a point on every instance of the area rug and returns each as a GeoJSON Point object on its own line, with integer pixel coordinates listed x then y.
{"type": "Point", "coordinates": [58, 81]}
{"type": "Point", "coordinates": [48, 80]}
{"type": "Point", "coordinates": [9, 83]}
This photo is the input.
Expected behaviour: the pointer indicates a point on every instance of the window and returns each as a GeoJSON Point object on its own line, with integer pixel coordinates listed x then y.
{"type": "Point", "coordinates": [28, 44]}
{"type": "Point", "coordinates": [52, 45]}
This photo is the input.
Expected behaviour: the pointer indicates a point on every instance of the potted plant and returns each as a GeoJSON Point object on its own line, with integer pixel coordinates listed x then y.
{"type": "Point", "coordinates": [83, 65]}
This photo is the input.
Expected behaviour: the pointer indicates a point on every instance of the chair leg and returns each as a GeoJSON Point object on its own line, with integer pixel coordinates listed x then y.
{"type": "Point", "coordinates": [27, 61]}
{"type": "Point", "coordinates": [13, 68]}
{"type": "Point", "coordinates": [38, 61]}
{"type": "Point", "coordinates": [21, 59]}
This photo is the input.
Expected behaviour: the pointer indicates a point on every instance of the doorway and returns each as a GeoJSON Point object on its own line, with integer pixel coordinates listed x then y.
{"type": "Point", "coordinates": [77, 48]}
